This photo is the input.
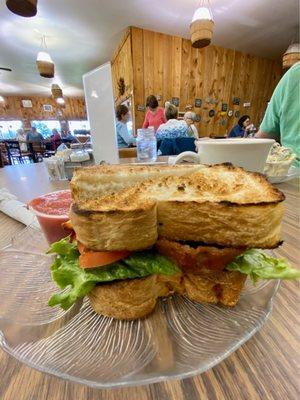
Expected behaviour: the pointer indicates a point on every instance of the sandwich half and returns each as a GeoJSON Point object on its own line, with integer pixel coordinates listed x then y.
{"type": "Point", "coordinates": [193, 231]}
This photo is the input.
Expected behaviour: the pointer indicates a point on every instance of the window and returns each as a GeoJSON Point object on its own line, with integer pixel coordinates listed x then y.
{"type": "Point", "coordinates": [45, 127]}
{"type": "Point", "coordinates": [79, 127]}
{"type": "Point", "coordinates": [8, 129]}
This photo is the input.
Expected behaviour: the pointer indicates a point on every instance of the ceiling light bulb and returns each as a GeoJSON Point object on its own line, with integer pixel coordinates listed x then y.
{"type": "Point", "coordinates": [2, 99]}
{"type": "Point", "coordinates": [45, 57]}
{"type": "Point", "coordinates": [60, 100]}
{"type": "Point", "coordinates": [202, 13]}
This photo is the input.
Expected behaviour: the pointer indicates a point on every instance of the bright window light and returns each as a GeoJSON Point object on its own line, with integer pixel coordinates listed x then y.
{"type": "Point", "coordinates": [45, 127]}
{"type": "Point", "coordinates": [79, 126]}
{"type": "Point", "coordinates": [8, 129]}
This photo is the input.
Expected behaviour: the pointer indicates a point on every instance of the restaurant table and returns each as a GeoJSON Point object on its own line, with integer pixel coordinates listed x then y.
{"type": "Point", "coordinates": [265, 367]}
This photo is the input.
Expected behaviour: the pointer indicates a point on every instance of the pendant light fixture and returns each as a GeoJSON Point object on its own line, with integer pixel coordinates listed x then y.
{"type": "Point", "coordinates": [56, 91]}
{"type": "Point", "coordinates": [2, 100]}
{"type": "Point", "coordinates": [44, 62]}
{"type": "Point", "coordinates": [24, 8]}
{"type": "Point", "coordinates": [61, 102]}
{"type": "Point", "coordinates": [202, 25]}
{"type": "Point", "coordinates": [291, 56]}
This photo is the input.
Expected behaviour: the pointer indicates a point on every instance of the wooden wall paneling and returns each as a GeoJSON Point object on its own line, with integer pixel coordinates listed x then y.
{"type": "Point", "coordinates": [186, 55]}
{"type": "Point", "coordinates": [176, 67]}
{"type": "Point", "coordinates": [217, 91]}
{"type": "Point", "coordinates": [158, 67]}
{"type": "Point", "coordinates": [148, 38]}
{"type": "Point", "coordinates": [209, 55]}
{"type": "Point", "coordinates": [167, 72]}
{"type": "Point", "coordinates": [123, 39]}
{"type": "Point", "coordinates": [74, 109]}
{"type": "Point", "coordinates": [122, 68]}
{"type": "Point", "coordinates": [169, 66]}
{"type": "Point", "coordinates": [138, 74]}
{"type": "Point", "coordinates": [193, 69]}
{"type": "Point", "coordinates": [227, 75]}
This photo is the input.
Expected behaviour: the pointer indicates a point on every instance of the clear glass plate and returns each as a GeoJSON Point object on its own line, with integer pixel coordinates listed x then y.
{"type": "Point", "coordinates": [293, 172]}
{"type": "Point", "coordinates": [180, 339]}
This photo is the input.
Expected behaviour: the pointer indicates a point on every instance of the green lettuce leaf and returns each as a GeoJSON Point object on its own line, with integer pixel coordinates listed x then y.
{"type": "Point", "coordinates": [260, 265]}
{"type": "Point", "coordinates": [77, 282]}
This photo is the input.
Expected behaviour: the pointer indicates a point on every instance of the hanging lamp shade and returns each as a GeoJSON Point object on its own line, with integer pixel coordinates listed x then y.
{"type": "Point", "coordinates": [24, 8]}
{"type": "Point", "coordinates": [56, 91]}
{"type": "Point", "coordinates": [45, 65]}
{"type": "Point", "coordinates": [202, 27]}
{"type": "Point", "coordinates": [291, 56]}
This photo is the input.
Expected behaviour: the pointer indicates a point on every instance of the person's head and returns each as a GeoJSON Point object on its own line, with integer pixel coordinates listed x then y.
{"type": "Point", "coordinates": [34, 130]}
{"type": "Point", "coordinates": [244, 121]}
{"type": "Point", "coordinates": [171, 112]}
{"type": "Point", "coordinates": [55, 131]}
{"type": "Point", "coordinates": [189, 117]}
{"type": "Point", "coordinates": [152, 102]}
{"type": "Point", "coordinates": [122, 113]}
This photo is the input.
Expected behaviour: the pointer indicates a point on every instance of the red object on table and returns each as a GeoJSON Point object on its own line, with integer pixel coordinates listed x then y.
{"type": "Point", "coordinates": [52, 211]}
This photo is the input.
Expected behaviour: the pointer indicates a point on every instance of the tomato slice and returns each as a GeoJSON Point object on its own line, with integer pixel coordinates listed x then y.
{"type": "Point", "coordinates": [96, 259]}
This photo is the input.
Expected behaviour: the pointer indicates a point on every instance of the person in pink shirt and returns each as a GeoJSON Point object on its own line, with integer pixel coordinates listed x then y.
{"type": "Point", "coordinates": [155, 116]}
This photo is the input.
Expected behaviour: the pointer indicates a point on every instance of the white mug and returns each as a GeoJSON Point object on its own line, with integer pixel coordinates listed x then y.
{"type": "Point", "coordinates": [250, 154]}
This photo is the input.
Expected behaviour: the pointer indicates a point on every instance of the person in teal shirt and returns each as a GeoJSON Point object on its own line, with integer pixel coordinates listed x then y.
{"type": "Point", "coordinates": [282, 118]}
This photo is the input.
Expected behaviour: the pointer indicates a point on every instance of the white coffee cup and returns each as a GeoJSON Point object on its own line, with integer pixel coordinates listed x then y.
{"type": "Point", "coordinates": [250, 154]}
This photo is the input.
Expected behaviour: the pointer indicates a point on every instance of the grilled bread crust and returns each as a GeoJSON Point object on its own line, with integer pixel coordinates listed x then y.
{"type": "Point", "coordinates": [96, 181]}
{"type": "Point", "coordinates": [219, 204]}
{"type": "Point", "coordinates": [137, 298]}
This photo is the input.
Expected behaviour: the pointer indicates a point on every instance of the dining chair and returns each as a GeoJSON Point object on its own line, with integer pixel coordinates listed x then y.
{"type": "Point", "coordinates": [15, 154]}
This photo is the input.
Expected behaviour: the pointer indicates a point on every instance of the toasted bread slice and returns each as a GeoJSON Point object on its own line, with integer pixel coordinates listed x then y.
{"type": "Point", "coordinates": [221, 204]}
{"type": "Point", "coordinates": [93, 182]}
{"type": "Point", "coordinates": [136, 298]}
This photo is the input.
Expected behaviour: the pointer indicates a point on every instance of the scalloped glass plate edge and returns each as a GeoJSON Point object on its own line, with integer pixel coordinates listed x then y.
{"type": "Point", "coordinates": [146, 381]}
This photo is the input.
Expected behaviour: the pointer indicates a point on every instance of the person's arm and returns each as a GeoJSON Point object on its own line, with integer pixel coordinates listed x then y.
{"type": "Point", "coordinates": [196, 135]}
{"type": "Point", "coordinates": [263, 135]}
{"type": "Point", "coordinates": [159, 134]}
{"type": "Point", "coordinates": [146, 121]}
{"type": "Point", "coordinates": [128, 139]}
{"type": "Point", "coordinates": [270, 126]}
{"type": "Point", "coordinates": [164, 116]}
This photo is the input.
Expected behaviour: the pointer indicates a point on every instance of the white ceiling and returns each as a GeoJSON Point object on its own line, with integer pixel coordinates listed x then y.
{"type": "Point", "coordinates": [82, 34]}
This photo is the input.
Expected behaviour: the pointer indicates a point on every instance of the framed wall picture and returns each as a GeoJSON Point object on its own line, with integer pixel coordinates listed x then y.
{"type": "Point", "coordinates": [197, 118]}
{"type": "Point", "coordinates": [27, 103]}
{"type": "Point", "coordinates": [198, 102]}
{"type": "Point", "coordinates": [175, 101]}
{"type": "Point", "coordinates": [237, 114]}
{"type": "Point", "coordinates": [47, 107]}
{"type": "Point", "coordinates": [211, 113]}
{"type": "Point", "coordinates": [236, 101]}
{"type": "Point", "coordinates": [224, 106]}
{"type": "Point", "coordinates": [141, 107]}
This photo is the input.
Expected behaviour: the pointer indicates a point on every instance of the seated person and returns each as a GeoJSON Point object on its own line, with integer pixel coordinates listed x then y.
{"type": "Point", "coordinates": [124, 138]}
{"type": "Point", "coordinates": [190, 118]}
{"type": "Point", "coordinates": [67, 136]}
{"type": "Point", "coordinates": [242, 128]}
{"type": "Point", "coordinates": [55, 139]}
{"type": "Point", "coordinates": [173, 128]}
{"type": "Point", "coordinates": [21, 137]}
{"type": "Point", "coordinates": [34, 136]}
{"type": "Point", "coordinates": [281, 121]}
